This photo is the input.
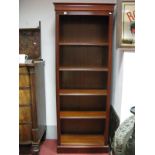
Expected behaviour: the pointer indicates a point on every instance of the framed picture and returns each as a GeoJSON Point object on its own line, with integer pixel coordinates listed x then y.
{"type": "Point", "coordinates": [128, 24]}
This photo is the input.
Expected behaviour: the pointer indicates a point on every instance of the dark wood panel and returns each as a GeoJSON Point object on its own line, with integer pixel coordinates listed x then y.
{"type": "Point", "coordinates": [83, 56]}
{"type": "Point", "coordinates": [29, 42]}
{"type": "Point", "coordinates": [82, 126]}
{"type": "Point", "coordinates": [83, 103]}
{"type": "Point", "coordinates": [83, 80]}
{"type": "Point", "coordinates": [83, 29]}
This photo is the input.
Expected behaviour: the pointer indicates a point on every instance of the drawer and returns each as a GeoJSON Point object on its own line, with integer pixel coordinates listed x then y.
{"type": "Point", "coordinates": [25, 133]}
{"type": "Point", "coordinates": [24, 114]}
{"type": "Point", "coordinates": [24, 80]}
{"type": "Point", "coordinates": [24, 96]}
{"type": "Point", "coordinates": [23, 70]}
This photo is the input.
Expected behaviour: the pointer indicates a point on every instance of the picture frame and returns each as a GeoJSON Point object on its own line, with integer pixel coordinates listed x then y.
{"type": "Point", "coordinates": [128, 24]}
{"type": "Point", "coordinates": [124, 44]}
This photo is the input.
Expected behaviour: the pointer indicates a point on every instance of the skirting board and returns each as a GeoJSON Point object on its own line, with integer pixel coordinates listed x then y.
{"type": "Point", "coordinates": [51, 132]}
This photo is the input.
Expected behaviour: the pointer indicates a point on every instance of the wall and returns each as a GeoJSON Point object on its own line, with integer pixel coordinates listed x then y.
{"type": "Point", "coordinates": [129, 85]}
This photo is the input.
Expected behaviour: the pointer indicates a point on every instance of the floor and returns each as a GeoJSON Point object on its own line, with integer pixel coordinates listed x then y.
{"type": "Point", "coordinates": [48, 147]}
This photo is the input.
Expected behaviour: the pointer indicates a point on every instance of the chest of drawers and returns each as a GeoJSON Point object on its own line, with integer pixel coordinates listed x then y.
{"type": "Point", "coordinates": [32, 117]}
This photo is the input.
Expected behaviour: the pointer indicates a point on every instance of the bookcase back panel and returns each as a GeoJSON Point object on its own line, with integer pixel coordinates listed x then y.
{"type": "Point", "coordinates": [83, 80]}
{"type": "Point", "coordinates": [82, 126]}
{"type": "Point", "coordinates": [83, 103]}
{"type": "Point", "coordinates": [89, 56]}
{"type": "Point", "coordinates": [83, 28]}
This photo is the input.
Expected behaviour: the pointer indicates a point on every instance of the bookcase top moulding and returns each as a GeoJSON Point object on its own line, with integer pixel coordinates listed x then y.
{"type": "Point", "coordinates": [74, 7]}
{"type": "Point", "coordinates": [86, 1]}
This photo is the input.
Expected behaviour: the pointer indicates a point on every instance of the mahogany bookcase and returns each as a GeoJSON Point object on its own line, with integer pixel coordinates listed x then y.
{"type": "Point", "coordinates": [83, 76]}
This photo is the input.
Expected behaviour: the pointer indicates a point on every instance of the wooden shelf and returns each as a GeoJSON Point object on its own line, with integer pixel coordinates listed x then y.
{"type": "Point", "coordinates": [98, 43]}
{"type": "Point", "coordinates": [65, 68]}
{"type": "Point", "coordinates": [85, 140]}
{"type": "Point", "coordinates": [80, 92]}
{"type": "Point", "coordinates": [82, 114]}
